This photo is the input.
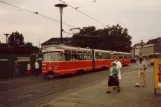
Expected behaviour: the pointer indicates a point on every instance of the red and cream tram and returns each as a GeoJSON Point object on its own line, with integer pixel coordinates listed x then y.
{"type": "Point", "coordinates": [62, 60]}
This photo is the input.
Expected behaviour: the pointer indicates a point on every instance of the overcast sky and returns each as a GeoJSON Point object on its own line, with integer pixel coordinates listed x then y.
{"type": "Point", "coordinates": [141, 17]}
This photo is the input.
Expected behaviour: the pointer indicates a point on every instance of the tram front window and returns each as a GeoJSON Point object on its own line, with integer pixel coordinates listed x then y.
{"type": "Point", "coordinates": [53, 56]}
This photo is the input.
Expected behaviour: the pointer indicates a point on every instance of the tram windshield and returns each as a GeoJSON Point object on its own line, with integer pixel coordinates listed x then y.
{"type": "Point", "coordinates": [53, 56]}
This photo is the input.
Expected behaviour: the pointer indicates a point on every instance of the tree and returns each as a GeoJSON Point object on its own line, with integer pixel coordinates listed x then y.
{"type": "Point", "coordinates": [111, 38]}
{"type": "Point", "coordinates": [29, 45]}
{"type": "Point", "coordinates": [16, 39]}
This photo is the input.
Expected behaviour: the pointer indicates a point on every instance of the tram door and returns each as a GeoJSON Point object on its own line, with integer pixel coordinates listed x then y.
{"type": "Point", "coordinates": [93, 60]}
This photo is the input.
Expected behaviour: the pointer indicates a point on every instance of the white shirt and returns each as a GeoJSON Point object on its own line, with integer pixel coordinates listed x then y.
{"type": "Point", "coordinates": [118, 66]}
{"type": "Point", "coordinates": [143, 65]}
{"type": "Point", "coordinates": [28, 67]}
{"type": "Point", "coordinates": [36, 65]}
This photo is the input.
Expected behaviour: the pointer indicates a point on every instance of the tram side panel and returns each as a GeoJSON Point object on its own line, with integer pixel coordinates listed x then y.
{"type": "Point", "coordinates": [66, 67]}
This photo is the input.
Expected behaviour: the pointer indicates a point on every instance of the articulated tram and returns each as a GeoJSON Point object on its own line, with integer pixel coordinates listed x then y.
{"type": "Point", "coordinates": [62, 59]}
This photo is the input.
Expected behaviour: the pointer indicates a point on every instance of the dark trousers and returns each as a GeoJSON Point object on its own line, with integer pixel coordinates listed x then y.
{"type": "Point", "coordinates": [16, 72]}
{"type": "Point", "coordinates": [36, 72]}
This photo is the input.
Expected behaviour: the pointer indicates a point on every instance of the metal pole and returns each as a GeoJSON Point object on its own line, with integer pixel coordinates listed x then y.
{"type": "Point", "coordinates": [61, 37]}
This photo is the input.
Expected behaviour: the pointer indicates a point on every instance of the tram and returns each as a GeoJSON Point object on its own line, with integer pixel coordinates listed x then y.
{"type": "Point", "coordinates": [63, 60]}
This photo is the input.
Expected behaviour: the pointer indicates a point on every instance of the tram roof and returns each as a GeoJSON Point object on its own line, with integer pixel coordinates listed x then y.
{"type": "Point", "coordinates": [65, 47]}
{"type": "Point", "coordinates": [104, 51]}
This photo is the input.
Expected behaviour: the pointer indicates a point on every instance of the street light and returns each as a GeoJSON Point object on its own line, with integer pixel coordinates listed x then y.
{"type": "Point", "coordinates": [6, 34]}
{"type": "Point", "coordinates": [61, 6]}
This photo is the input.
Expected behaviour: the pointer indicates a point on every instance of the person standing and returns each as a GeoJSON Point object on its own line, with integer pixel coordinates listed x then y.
{"type": "Point", "coordinates": [118, 66]}
{"type": "Point", "coordinates": [141, 72]}
{"type": "Point", "coordinates": [36, 68]}
{"type": "Point", "coordinates": [28, 69]}
{"type": "Point", "coordinates": [16, 68]}
{"type": "Point", "coordinates": [113, 78]}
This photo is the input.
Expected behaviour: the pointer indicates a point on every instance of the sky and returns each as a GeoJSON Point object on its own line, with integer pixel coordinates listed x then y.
{"type": "Point", "coordinates": [142, 18]}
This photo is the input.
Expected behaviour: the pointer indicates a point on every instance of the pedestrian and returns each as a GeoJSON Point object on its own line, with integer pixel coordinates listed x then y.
{"type": "Point", "coordinates": [28, 69]}
{"type": "Point", "coordinates": [16, 68]}
{"type": "Point", "coordinates": [36, 68]}
{"type": "Point", "coordinates": [113, 78]}
{"type": "Point", "coordinates": [118, 66]}
{"type": "Point", "coordinates": [141, 72]}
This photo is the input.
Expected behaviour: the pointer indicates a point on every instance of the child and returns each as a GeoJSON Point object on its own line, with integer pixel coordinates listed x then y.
{"type": "Point", "coordinates": [28, 69]}
{"type": "Point", "coordinates": [113, 78]}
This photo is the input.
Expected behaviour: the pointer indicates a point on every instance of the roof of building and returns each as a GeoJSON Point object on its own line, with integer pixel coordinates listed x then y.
{"type": "Point", "coordinates": [153, 41]}
{"type": "Point", "coordinates": [53, 40]}
{"type": "Point", "coordinates": [139, 44]}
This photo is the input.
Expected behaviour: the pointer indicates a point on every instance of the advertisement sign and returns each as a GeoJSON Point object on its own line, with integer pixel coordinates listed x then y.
{"type": "Point", "coordinates": [23, 59]}
{"type": "Point", "coordinates": [157, 75]}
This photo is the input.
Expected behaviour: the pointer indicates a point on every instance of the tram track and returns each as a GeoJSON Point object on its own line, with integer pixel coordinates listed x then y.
{"type": "Point", "coordinates": [49, 90]}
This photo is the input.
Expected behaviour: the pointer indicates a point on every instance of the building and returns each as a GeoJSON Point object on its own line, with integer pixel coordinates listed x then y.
{"type": "Point", "coordinates": [135, 52]}
{"type": "Point", "coordinates": [56, 41]}
{"type": "Point", "coordinates": [147, 49]}
{"type": "Point", "coordinates": [157, 44]}
{"type": "Point", "coordinates": [144, 50]}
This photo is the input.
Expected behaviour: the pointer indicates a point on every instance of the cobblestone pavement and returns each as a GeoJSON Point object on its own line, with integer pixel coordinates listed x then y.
{"type": "Point", "coordinates": [129, 96]}
{"type": "Point", "coordinates": [33, 91]}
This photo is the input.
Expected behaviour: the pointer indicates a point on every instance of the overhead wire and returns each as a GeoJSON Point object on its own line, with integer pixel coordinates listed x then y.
{"type": "Point", "coordinates": [35, 13]}
{"type": "Point", "coordinates": [82, 13]}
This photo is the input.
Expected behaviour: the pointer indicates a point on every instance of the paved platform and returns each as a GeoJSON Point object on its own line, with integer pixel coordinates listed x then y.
{"type": "Point", "coordinates": [129, 96]}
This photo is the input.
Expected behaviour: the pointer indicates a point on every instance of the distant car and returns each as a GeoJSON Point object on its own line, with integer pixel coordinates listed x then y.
{"type": "Point", "coordinates": [133, 60]}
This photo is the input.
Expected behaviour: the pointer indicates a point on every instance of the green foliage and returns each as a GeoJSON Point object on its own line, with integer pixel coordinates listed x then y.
{"type": "Point", "coordinates": [16, 39]}
{"type": "Point", "coordinates": [110, 38]}
{"type": "Point", "coordinates": [17, 45]}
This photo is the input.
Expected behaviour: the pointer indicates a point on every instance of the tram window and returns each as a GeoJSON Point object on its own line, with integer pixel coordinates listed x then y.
{"type": "Point", "coordinates": [74, 55]}
{"type": "Point", "coordinates": [125, 56]}
{"type": "Point", "coordinates": [85, 55]}
{"type": "Point", "coordinates": [89, 55]}
{"type": "Point", "coordinates": [105, 56]}
{"type": "Point", "coordinates": [61, 56]}
{"type": "Point", "coordinates": [67, 56]}
{"type": "Point", "coordinates": [80, 55]}
{"type": "Point", "coordinates": [54, 56]}
{"type": "Point", "coordinates": [120, 56]}
{"type": "Point", "coordinates": [108, 56]}
{"type": "Point", "coordinates": [45, 57]}
{"type": "Point", "coordinates": [98, 55]}
{"type": "Point", "coordinates": [111, 56]}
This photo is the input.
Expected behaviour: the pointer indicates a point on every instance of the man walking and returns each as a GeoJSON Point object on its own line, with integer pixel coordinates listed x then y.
{"type": "Point", "coordinates": [28, 69]}
{"type": "Point", "coordinates": [141, 72]}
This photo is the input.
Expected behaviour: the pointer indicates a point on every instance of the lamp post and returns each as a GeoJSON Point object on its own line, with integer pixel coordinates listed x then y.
{"type": "Point", "coordinates": [61, 6]}
{"type": "Point", "coordinates": [6, 34]}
